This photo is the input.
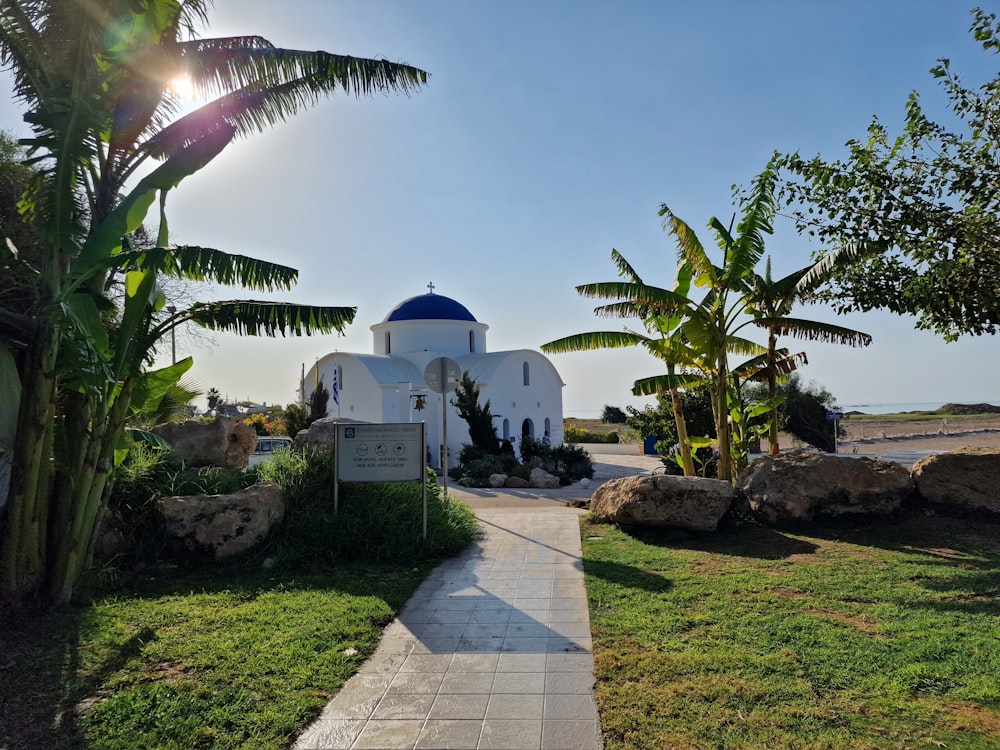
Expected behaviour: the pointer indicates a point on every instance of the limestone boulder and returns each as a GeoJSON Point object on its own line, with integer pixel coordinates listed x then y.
{"type": "Point", "coordinates": [497, 480]}
{"type": "Point", "coordinates": [321, 434]}
{"type": "Point", "coordinates": [543, 479]}
{"type": "Point", "coordinates": [223, 442]}
{"type": "Point", "coordinates": [800, 485]}
{"type": "Point", "coordinates": [966, 477]}
{"type": "Point", "coordinates": [222, 525]}
{"type": "Point", "coordinates": [692, 503]}
{"type": "Point", "coordinates": [516, 483]}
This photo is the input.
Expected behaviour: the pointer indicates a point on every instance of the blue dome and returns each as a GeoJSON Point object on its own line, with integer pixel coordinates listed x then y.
{"type": "Point", "coordinates": [429, 307]}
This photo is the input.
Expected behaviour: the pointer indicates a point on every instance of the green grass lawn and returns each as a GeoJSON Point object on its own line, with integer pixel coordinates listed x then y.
{"type": "Point", "coordinates": [222, 659]}
{"type": "Point", "coordinates": [885, 636]}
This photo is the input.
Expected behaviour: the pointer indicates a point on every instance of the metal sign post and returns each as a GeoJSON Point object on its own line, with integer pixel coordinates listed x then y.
{"type": "Point", "coordinates": [394, 452]}
{"type": "Point", "coordinates": [443, 375]}
{"type": "Point", "coordinates": [835, 417]}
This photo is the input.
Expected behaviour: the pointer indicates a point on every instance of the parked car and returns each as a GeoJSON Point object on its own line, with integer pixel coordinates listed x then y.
{"type": "Point", "coordinates": [267, 445]}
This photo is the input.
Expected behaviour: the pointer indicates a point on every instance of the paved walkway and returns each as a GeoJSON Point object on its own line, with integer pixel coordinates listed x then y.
{"type": "Point", "coordinates": [492, 651]}
{"type": "Point", "coordinates": [494, 648]}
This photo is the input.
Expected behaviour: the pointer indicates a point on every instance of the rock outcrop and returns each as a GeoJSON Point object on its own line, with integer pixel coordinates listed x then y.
{"type": "Point", "coordinates": [543, 479]}
{"type": "Point", "coordinates": [516, 483]}
{"type": "Point", "coordinates": [222, 442]}
{"type": "Point", "coordinates": [966, 477]}
{"type": "Point", "coordinates": [692, 503]}
{"type": "Point", "coordinates": [321, 434]}
{"type": "Point", "coordinates": [800, 485]}
{"type": "Point", "coordinates": [222, 525]}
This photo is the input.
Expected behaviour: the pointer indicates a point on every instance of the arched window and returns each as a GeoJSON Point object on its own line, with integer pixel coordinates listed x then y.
{"type": "Point", "coordinates": [388, 344]}
{"type": "Point", "coordinates": [506, 429]}
{"type": "Point", "coordinates": [340, 377]}
{"type": "Point", "coordinates": [472, 341]}
{"type": "Point", "coordinates": [548, 427]}
{"type": "Point", "coordinates": [526, 373]}
{"type": "Point", "coordinates": [527, 428]}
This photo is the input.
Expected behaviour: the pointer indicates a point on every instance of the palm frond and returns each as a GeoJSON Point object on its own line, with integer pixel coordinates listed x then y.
{"type": "Point", "coordinates": [689, 248]}
{"type": "Point", "coordinates": [662, 383]}
{"type": "Point", "coordinates": [624, 267]}
{"type": "Point", "coordinates": [756, 221]}
{"type": "Point", "coordinates": [811, 330]}
{"type": "Point", "coordinates": [266, 86]}
{"type": "Point", "coordinates": [256, 318]}
{"type": "Point", "coordinates": [642, 294]}
{"type": "Point", "coordinates": [844, 255]}
{"type": "Point", "coordinates": [218, 267]}
{"type": "Point", "coordinates": [583, 342]}
{"type": "Point", "coordinates": [619, 310]}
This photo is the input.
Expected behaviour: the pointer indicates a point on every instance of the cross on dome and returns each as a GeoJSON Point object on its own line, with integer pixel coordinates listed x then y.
{"type": "Point", "coordinates": [430, 287]}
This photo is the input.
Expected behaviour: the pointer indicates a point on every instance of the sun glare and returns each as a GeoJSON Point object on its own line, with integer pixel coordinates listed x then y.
{"type": "Point", "coordinates": [183, 87]}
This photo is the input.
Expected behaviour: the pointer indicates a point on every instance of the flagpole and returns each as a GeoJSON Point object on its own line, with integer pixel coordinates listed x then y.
{"type": "Point", "coordinates": [336, 386]}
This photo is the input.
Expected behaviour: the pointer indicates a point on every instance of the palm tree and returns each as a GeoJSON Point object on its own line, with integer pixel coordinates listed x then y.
{"type": "Point", "coordinates": [712, 323]}
{"type": "Point", "coordinates": [95, 80]}
{"type": "Point", "coordinates": [665, 343]}
{"type": "Point", "coordinates": [770, 303]}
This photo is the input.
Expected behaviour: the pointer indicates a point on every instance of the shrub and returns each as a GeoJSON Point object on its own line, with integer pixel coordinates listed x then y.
{"type": "Point", "coordinates": [613, 415]}
{"type": "Point", "coordinates": [376, 521]}
{"type": "Point", "coordinates": [574, 434]}
{"type": "Point", "coordinates": [572, 463]}
{"type": "Point", "coordinates": [146, 476]}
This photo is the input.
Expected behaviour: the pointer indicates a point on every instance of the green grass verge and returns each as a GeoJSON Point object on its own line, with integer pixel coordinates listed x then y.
{"type": "Point", "coordinates": [882, 637]}
{"type": "Point", "coordinates": [222, 659]}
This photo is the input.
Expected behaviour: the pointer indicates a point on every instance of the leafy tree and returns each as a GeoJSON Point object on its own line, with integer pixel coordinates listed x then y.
{"type": "Point", "coordinates": [659, 421]}
{"type": "Point", "coordinates": [613, 415]}
{"type": "Point", "coordinates": [214, 398]}
{"type": "Point", "coordinates": [697, 335]}
{"type": "Point", "coordinates": [665, 340]}
{"type": "Point", "coordinates": [95, 80]}
{"type": "Point", "coordinates": [770, 303]}
{"type": "Point", "coordinates": [318, 401]}
{"type": "Point", "coordinates": [482, 431]}
{"type": "Point", "coordinates": [918, 213]}
{"type": "Point", "coordinates": [296, 419]}
{"type": "Point", "coordinates": [803, 411]}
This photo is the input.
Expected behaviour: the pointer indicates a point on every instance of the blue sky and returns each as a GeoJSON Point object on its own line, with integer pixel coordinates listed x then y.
{"type": "Point", "coordinates": [549, 134]}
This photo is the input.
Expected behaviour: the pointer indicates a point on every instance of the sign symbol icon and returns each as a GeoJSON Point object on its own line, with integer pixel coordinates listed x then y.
{"type": "Point", "coordinates": [362, 449]}
{"type": "Point", "coordinates": [381, 450]}
{"type": "Point", "coordinates": [399, 449]}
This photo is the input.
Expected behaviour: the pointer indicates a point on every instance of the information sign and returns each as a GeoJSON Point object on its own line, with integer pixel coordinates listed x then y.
{"type": "Point", "coordinates": [380, 452]}
{"type": "Point", "coordinates": [835, 415]}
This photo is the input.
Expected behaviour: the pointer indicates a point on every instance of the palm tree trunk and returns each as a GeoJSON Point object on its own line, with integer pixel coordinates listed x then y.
{"type": "Point", "coordinates": [22, 538]}
{"type": "Point", "coordinates": [687, 461]}
{"type": "Point", "coordinates": [772, 390]}
{"type": "Point", "coordinates": [722, 420]}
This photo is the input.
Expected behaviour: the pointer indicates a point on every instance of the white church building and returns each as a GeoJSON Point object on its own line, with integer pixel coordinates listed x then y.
{"type": "Point", "coordinates": [523, 387]}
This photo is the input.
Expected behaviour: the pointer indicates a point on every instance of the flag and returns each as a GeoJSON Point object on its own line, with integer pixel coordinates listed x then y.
{"type": "Point", "coordinates": [336, 387]}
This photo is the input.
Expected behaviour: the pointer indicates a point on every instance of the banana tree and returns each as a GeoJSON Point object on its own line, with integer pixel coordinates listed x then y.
{"type": "Point", "coordinates": [770, 304]}
{"type": "Point", "coordinates": [95, 79]}
{"type": "Point", "coordinates": [665, 341]}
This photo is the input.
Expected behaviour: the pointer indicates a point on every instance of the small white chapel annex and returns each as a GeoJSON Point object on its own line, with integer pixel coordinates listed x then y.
{"type": "Point", "coordinates": [523, 387]}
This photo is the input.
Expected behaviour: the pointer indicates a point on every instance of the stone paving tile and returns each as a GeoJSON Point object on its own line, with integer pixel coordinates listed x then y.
{"type": "Point", "coordinates": [379, 735]}
{"type": "Point", "coordinates": [506, 734]}
{"type": "Point", "coordinates": [447, 734]}
{"type": "Point", "coordinates": [493, 651]}
{"type": "Point", "coordinates": [569, 735]}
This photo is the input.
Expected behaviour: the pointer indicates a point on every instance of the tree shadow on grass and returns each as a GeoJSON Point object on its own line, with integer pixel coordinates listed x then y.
{"type": "Point", "coordinates": [758, 542]}
{"type": "Point", "coordinates": [628, 576]}
{"type": "Point", "coordinates": [42, 683]}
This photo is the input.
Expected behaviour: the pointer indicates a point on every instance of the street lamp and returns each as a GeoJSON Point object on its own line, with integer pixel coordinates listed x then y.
{"type": "Point", "coordinates": [173, 339]}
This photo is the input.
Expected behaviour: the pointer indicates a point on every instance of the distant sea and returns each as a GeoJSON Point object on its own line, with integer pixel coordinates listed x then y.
{"type": "Point", "coordinates": [869, 408]}
{"type": "Point", "coordinates": [899, 408]}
